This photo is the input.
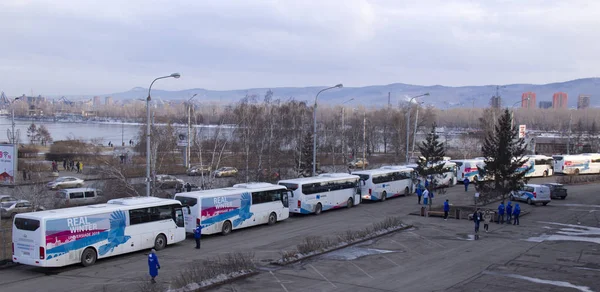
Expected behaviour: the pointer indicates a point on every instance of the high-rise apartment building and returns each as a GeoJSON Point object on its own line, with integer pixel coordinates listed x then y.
{"type": "Point", "coordinates": [559, 100]}
{"type": "Point", "coordinates": [528, 100]}
{"type": "Point", "coordinates": [545, 104]}
{"type": "Point", "coordinates": [583, 101]}
{"type": "Point", "coordinates": [97, 100]}
{"type": "Point", "coordinates": [496, 102]}
{"type": "Point", "coordinates": [108, 100]}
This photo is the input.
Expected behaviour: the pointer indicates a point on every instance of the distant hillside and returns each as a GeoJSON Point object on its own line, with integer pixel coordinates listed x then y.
{"type": "Point", "coordinates": [377, 95]}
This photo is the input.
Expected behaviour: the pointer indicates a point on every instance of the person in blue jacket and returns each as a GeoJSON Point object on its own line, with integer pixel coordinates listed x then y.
{"type": "Point", "coordinates": [153, 265]}
{"type": "Point", "coordinates": [516, 213]}
{"type": "Point", "coordinates": [197, 235]}
{"type": "Point", "coordinates": [419, 192]}
{"type": "Point", "coordinates": [509, 210]}
{"type": "Point", "coordinates": [477, 220]}
{"type": "Point", "coordinates": [501, 213]}
{"type": "Point", "coordinates": [466, 182]}
{"type": "Point", "coordinates": [446, 209]}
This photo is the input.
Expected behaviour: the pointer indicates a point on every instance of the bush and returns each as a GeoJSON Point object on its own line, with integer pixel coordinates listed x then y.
{"type": "Point", "coordinates": [316, 244]}
{"type": "Point", "coordinates": [577, 179]}
{"type": "Point", "coordinates": [201, 274]}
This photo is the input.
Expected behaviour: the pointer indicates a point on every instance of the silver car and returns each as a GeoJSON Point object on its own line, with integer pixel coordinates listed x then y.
{"type": "Point", "coordinates": [65, 182]}
{"type": "Point", "coordinates": [10, 209]}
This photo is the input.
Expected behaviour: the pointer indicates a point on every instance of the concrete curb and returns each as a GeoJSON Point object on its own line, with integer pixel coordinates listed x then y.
{"type": "Point", "coordinates": [230, 280]}
{"type": "Point", "coordinates": [340, 247]}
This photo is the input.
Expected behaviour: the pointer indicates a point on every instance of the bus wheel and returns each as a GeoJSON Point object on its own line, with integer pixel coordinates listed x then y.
{"type": "Point", "coordinates": [272, 219]}
{"type": "Point", "coordinates": [576, 171]}
{"type": "Point", "coordinates": [383, 196]}
{"type": "Point", "coordinates": [406, 192]}
{"type": "Point", "coordinates": [88, 257]}
{"type": "Point", "coordinates": [226, 228]}
{"type": "Point", "coordinates": [545, 173]}
{"type": "Point", "coordinates": [318, 209]}
{"type": "Point", "coordinates": [350, 203]}
{"type": "Point", "coordinates": [160, 242]}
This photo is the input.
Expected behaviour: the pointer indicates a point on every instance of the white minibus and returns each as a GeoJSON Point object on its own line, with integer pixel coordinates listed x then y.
{"type": "Point", "coordinates": [324, 192]}
{"type": "Point", "coordinates": [61, 237]}
{"type": "Point", "coordinates": [243, 205]}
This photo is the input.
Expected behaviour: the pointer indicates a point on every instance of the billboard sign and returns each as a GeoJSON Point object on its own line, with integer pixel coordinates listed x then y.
{"type": "Point", "coordinates": [8, 164]}
{"type": "Point", "coordinates": [182, 138]}
{"type": "Point", "coordinates": [522, 131]}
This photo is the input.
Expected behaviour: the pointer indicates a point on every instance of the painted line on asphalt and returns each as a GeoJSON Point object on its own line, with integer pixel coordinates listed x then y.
{"type": "Point", "coordinates": [422, 237]}
{"type": "Point", "coordinates": [390, 260]}
{"type": "Point", "coordinates": [405, 247]}
{"type": "Point", "coordinates": [317, 271]}
{"type": "Point", "coordinates": [362, 270]}
{"type": "Point", "coordinates": [278, 281]}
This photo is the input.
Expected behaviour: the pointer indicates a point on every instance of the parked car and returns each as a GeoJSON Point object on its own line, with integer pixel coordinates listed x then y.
{"type": "Point", "coordinates": [7, 198]}
{"type": "Point", "coordinates": [557, 191]}
{"type": "Point", "coordinates": [226, 171]}
{"type": "Point", "coordinates": [199, 170]}
{"type": "Point", "coordinates": [532, 194]}
{"type": "Point", "coordinates": [10, 209]}
{"type": "Point", "coordinates": [165, 181]}
{"type": "Point", "coordinates": [77, 197]}
{"type": "Point", "coordinates": [65, 182]}
{"type": "Point", "coordinates": [358, 163]}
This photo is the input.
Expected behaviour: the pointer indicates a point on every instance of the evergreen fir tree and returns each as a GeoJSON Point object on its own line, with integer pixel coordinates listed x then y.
{"type": "Point", "coordinates": [504, 158]}
{"type": "Point", "coordinates": [306, 154]}
{"type": "Point", "coordinates": [432, 152]}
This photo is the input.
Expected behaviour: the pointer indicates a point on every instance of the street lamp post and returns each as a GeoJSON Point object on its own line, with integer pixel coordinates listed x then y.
{"type": "Point", "coordinates": [512, 112]}
{"type": "Point", "coordinates": [148, 159]}
{"type": "Point", "coordinates": [412, 151]}
{"type": "Point", "coordinates": [314, 166]}
{"type": "Point", "coordinates": [408, 123]}
{"type": "Point", "coordinates": [188, 151]}
{"type": "Point", "coordinates": [344, 131]}
{"type": "Point", "coordinates": [13, 139]}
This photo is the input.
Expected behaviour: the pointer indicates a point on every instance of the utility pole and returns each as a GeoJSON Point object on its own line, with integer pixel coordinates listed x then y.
{"type": "Point", "coordinates": [364, 139]}
{"type": "Point", "coordinates": [569, 138]}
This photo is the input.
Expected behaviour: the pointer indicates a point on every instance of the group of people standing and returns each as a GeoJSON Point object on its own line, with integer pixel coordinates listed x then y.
{"type": "Point", "coordinates": [423, 191]}
{"type": "Point", "coordinates": [70, 165]}
{"type": "Point", "coordinates": [508, 212]}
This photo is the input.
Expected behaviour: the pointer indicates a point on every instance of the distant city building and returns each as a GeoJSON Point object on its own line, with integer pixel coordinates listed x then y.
{"type": "Point", "coordinates": [528, 100]}
{"type": "Point", "coordinates": [33, 99]}
{"type": "Point", "coordinates": [97, 100]}
{"type": "Point", "coordinates": [559, 100]}
{"type": "Point", "coordinates": [496, 102]}
{"type": "Point", "coordinates": [545, 104]}
{"type": "Point", "coordinates": [583, 101]}
{"type": "Point", "coordinates": [108, 100]}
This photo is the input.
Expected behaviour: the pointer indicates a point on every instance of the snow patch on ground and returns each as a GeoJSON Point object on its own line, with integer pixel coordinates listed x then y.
{"type": "Point", "coordinates": [542, 281]}
{"type": "Point", "coordinates": [570, 232]}
{"type": "Point", "coordinates": [353, 252]}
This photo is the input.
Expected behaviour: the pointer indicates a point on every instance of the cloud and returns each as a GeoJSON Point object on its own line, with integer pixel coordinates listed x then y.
{"type": "Point", "coordinates": [91, 47]}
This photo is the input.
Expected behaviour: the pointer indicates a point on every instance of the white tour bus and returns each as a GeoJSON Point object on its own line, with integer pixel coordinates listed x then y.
{"type": "Point", "coordinates": [61, 237]}
{"type": "Point", "coordinates": [447, 177]}
{"type": "Point", "coordinates": [386, 182]}
{"type": "Point", "coordinates": [468, 169]}
{"type": "Point", "coordinates": [324, 192]}
{"type": "Point", "coordinates": [538, 165]}
{"type": "Point", "coordinates": [240, 206]}
{"type": "Point", "coordinates": [577, 163]}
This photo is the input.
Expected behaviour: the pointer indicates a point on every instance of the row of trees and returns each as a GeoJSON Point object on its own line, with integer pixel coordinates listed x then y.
{"type": "Point", "coordinates": [38, 135]}
{"type": "Point", "coordinates": [504, 154]}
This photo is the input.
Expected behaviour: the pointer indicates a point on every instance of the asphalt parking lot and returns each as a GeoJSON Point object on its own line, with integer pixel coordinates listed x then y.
{"type": "Point", "coordinates": [555, 248]}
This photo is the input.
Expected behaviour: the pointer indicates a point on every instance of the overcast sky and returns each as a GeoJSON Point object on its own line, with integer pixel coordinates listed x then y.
{"type": "Point", "coordinates": [93, 47]}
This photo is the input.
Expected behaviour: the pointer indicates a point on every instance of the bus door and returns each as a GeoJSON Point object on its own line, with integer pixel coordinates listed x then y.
{"type": "Point", "coordinates": [285, 198]}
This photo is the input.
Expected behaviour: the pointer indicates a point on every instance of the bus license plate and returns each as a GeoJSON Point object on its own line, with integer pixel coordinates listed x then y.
{"type": "Point", "coordinates": [26, 253]}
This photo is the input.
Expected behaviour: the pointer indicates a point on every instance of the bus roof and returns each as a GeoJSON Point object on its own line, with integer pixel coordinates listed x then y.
{"type": "Point", "coordinates": [234, 190]}
{"type": "Point", "coordinates": [399, 167]}
{"type": "Point", "coordinates": [537, 156]}
{"type": "Point", "coordinates": [112, 205]}
{"type": "Point", "coordinates": [320, 178]}
{"type": "Point", "coordinates": [379, 171]}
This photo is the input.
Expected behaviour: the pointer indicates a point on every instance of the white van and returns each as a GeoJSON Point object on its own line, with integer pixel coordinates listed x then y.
{"type": "Point", "coordinates": [532, 194]}
{"type": "Point", "coordinates": [77, 197]}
